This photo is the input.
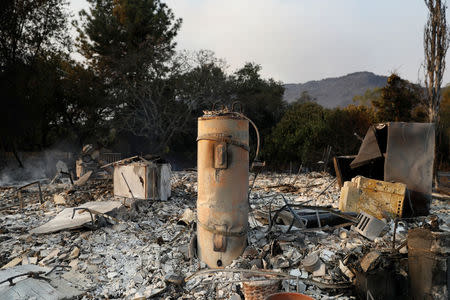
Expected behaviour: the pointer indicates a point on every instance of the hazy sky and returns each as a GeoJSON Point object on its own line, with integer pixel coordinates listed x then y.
{"type": "Point", "coordinates": [300, 40]}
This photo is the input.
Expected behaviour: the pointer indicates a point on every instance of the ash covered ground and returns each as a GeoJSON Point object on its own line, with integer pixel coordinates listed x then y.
{"type": "Point", "coordinates": [146, 249]}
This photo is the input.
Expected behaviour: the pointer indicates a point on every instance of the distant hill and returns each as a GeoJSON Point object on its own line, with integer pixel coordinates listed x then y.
{"type": "Point", "coordinates": [334, 92]}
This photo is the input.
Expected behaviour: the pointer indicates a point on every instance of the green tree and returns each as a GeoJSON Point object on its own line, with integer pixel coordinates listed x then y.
{"type": "Point", "coordinates": [86, 107]}
{"type": "Point", "coordinates": [299, 136]}
{"type": "Point", "coordinates": [399, 98]}
{"type": "Point", "coordinates": [33, 41]}
{"type": "Point", "coordinates": [343, 126]}
{"type": "Point", "coordinates": [306, 129]}
{"type": "Point", "coordinates": [130, 44]}
{"type": "Point", "coordinates": [201, 81]}
{"type": "Point", "coordinates": [31, 29]}
{"type": "Point", "coordinates": [205, 82]}
{"type": "Point", "coordinates": [262, 98]}
{"type": "Point", "coordinates": [127, 39]}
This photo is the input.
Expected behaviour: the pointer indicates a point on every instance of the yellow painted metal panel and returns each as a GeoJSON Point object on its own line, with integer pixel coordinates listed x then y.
{"type": "Point", "coordinates": [378, 198]}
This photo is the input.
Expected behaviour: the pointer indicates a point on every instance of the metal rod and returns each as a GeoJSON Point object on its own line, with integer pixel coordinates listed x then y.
{"type": "Point", "coordinates": [40, 193]}
{"type": "Point", "coordinates": [19, 193]}
{"type": "Point", "coordinates": [393, 236]}
{"type": "Point", "coordinates": [29, 274]}
{"type": "Point", "coordinates": [129, 189]}
{"type": "Point", "coordinates": [153, 183]}
{"type": "Point", "coordinates": [324, 190]}
{"type": "Point", "coordinates": [318, 218]}
{"type": "Point", "coordinates": [294, 180]}
{"type": "Point", "coordinates": [68, 174]}
{"type": "Point", "coordinates": [86, 209]}
{"type": "Point", "coordinates": [299, 220]}
{"type": "Point", "coordinates": [27, 185]}
{"type": "Point", "coordinates": [251, 187]}
{"type": "Point", "coordinates": [401, 245]}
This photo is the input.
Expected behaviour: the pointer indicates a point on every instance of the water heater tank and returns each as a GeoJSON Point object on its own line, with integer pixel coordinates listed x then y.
{"type": "Point", "coordinates": [222, 204]}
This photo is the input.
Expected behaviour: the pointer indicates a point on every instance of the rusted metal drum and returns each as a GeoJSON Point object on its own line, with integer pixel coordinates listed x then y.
{"type": "Point", "coordinates": [222, 206]}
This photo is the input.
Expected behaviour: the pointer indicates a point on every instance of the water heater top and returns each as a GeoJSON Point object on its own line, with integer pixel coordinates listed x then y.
{"type": "Point", "coordinates": [221, 114]}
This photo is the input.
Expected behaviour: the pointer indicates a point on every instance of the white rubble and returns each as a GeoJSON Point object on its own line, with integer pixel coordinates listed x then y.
{"type": "Point", "coordinates": [146, 254]}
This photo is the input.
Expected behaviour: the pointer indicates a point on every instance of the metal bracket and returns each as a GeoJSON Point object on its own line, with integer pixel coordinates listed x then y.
{"type": "Point", "coordinates": [220, 137]}
{"type": "Point", "coordinates": [220, 156]}
{"type": "Point", "coordinates": [219, 240]}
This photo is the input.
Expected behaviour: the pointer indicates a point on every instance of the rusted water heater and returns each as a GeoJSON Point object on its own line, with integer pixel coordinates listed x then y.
{"type": "Point", "coordinates": [222, 207]}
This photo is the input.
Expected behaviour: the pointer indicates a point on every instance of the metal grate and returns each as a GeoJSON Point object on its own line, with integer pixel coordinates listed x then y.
{"type": "Point", "coordinates": [110, 157]}
{"type": "Point", "coordinates": [369, 226]}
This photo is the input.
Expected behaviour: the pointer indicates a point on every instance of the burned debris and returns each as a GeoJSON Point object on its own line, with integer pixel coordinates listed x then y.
{"type": "Point", "coordinates": [145, 231]}
{"type": "Point", "coordinates": [138, 178]}
{"type": "Point", "coordinates": [397, 152]}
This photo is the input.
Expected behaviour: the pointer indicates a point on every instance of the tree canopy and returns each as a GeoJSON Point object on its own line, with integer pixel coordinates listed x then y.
{"type": "Point", "coordinates": [34, 43]}
{"type": "Point", "coordinates": [133, 91]}
{"type": "Point", "coordinates": [398, 100]}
